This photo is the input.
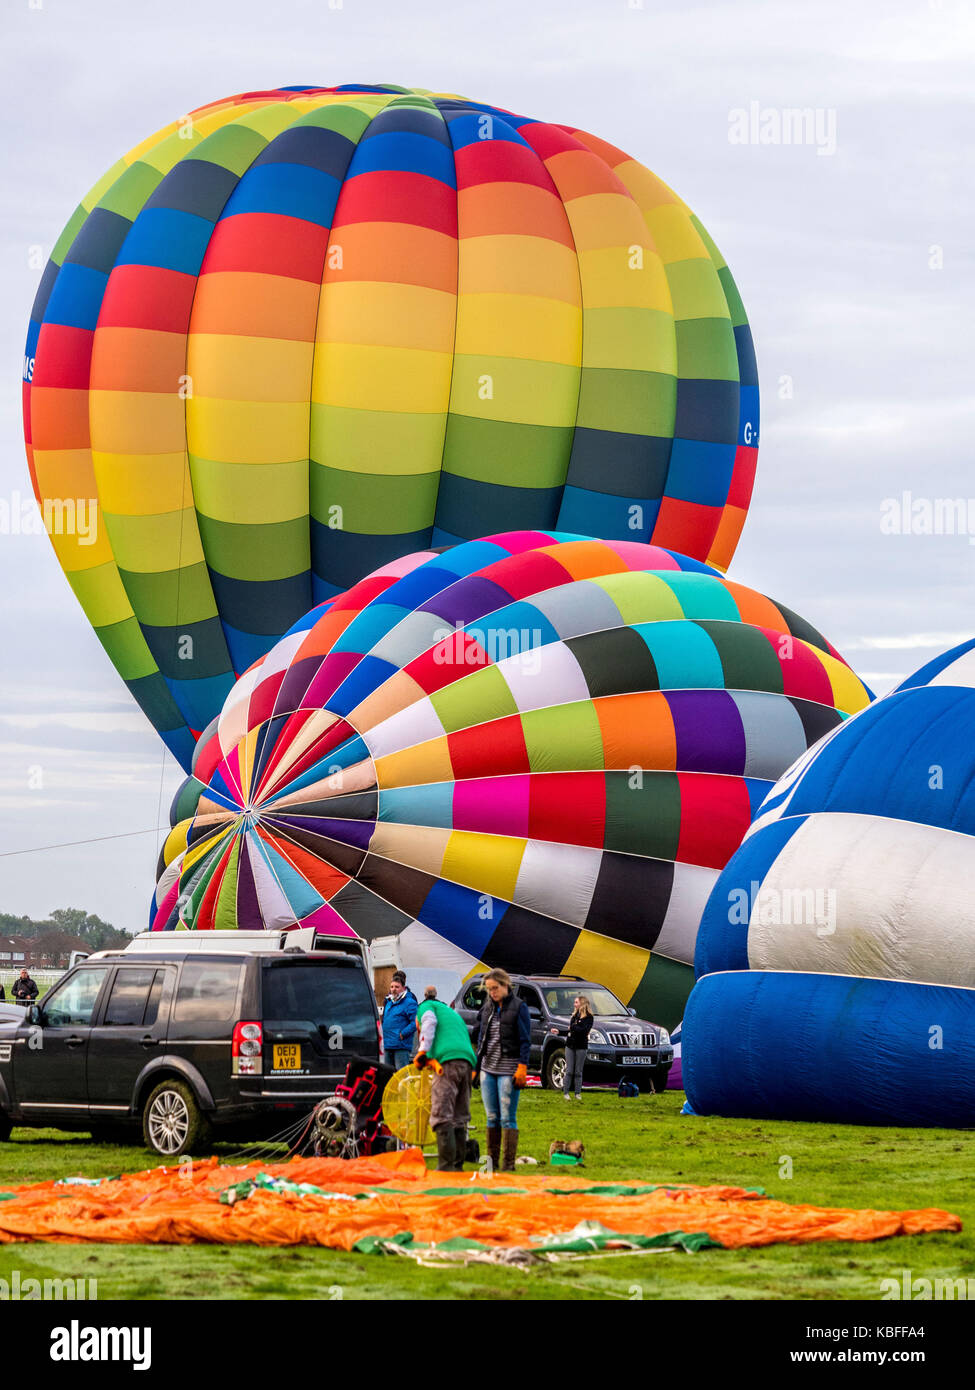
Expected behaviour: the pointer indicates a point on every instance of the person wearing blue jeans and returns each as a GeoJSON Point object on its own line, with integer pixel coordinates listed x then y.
{"type": "Point", "coordinates": [503, 1046]}
{"type": "Point", "coordinates": [399, 1023]}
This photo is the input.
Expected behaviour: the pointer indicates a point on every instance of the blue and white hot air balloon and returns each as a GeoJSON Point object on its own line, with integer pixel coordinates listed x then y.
{"type": "Point", "coordinates": [836, 955]}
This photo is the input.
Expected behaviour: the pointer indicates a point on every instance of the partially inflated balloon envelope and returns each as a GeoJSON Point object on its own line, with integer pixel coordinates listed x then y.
{"type": "Point", "coordinates": [533, 751]}
{"type": "Point", "coordinates": [300, 333]}
{"type": "Point", "coordinates": [862, 859]}
{"type": "Point", "coordinates": [849, 907]}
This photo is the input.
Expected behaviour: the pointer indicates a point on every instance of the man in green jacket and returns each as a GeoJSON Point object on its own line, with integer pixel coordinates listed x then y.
{"type": "Point", "coordinates": [445, 1041]}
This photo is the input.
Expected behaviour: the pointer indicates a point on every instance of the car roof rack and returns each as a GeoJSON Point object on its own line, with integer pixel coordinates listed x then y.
{"type": "Point", "coordinates": [532, 979]}
{"type": "Point", "coordinates": [579, 978]}
{"type": "Point", "coordinates": [304, 941]}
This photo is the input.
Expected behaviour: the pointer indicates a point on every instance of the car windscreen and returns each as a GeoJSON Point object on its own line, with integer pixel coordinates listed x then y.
{"type": "Point", "coordinates": [334, 998]}
{"type": "Point", "coordinates": [562, 1001]}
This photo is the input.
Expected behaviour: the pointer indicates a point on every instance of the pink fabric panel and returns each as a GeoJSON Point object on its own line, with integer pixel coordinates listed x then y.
{"type": "Point", "coordinates": [492, 805]}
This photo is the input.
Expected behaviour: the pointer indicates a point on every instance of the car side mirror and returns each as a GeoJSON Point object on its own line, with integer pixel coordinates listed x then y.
{"type": "Point", "coordinates": [34, 1016]}
{"type": "Point", "coordinates": [632, 1013]}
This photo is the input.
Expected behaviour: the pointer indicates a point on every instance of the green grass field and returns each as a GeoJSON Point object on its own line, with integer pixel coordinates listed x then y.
{"type": "Point", "coordinates": [645, 1138]}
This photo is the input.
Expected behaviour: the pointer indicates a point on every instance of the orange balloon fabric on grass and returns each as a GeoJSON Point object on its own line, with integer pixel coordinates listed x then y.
{"type": "Point", "coordinates": [397, 1195]}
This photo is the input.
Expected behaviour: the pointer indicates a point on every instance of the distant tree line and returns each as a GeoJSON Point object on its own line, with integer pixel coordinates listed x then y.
{"type": "Point", "coordinates": [51, 934]}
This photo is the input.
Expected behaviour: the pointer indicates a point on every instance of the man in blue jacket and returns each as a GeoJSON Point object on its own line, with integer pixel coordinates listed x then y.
{"type": "Point", "coordinates": [399, 1023]}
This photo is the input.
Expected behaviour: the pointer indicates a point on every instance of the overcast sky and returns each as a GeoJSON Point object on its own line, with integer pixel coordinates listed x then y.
{"type": "Point", "coordinates": [864, 344]}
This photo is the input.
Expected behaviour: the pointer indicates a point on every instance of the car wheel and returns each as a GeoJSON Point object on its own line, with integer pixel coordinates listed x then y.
{"type": "Point", "coordinates": [553, 1078]}
{"type": "Point", "coordinates": [658, 1076]}
{"type": "Point", "coordinates": [172, 1122]}
{"type": "Point", "coordinates": [5, 1127]}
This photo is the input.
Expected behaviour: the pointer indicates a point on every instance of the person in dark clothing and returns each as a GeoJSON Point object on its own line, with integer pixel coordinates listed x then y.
{"type": "Point", "coordinates": [576, 1045]}
{"type": "Point", "coordinates": [2, 994]}
{"type": "Point", "coordinates": [25, 989]}
{"type": "Point", "coordinates": [503, 1046]}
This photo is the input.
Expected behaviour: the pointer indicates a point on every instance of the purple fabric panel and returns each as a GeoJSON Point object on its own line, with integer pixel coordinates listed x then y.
{"type": "Point", "coordinates": [710, 736]}
{"type": "Point", "coordinates": [248, 908]}
{"type": "Point", "coordinates": [469, 599]}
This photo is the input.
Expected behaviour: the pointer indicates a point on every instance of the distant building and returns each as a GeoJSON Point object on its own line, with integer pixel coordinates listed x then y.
{"type": "Point", "coordinates": [13, 953]}
{"type": "Point", "coordinates": [51, 951]}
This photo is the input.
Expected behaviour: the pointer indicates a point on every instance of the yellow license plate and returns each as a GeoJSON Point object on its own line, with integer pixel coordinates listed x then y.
{"type": "Point", "coordinates": [287, 1057]}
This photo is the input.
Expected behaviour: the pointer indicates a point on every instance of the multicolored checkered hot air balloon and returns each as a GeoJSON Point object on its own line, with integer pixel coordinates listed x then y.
{"type": "Point", "coordinates": [299, 333]}
{"type": "Point", "coordinates": [534, 751]}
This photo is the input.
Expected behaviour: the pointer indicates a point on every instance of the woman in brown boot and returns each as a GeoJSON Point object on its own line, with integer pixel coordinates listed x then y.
{"type": "Point", "coordinates": [503, 1045]}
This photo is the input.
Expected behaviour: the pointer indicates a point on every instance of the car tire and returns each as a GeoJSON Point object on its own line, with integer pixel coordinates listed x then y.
{"type": "Point", "coordinates": [658, 1075]}
{"type": "Point", "coordinates": [553, 1073]}
{"type": "Point", "coordinates": [172, 1122]}
{"type": "Point", "coordinates": [6, 1126]}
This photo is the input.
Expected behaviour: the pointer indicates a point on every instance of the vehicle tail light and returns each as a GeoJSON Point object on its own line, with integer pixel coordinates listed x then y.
{"type": "Point", "coordinates": [379, 1030]}
{"type": "Point", "coordinates": [247, 1048]}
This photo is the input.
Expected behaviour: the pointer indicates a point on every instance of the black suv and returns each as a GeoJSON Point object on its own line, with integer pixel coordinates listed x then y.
{"type": "Point", "coordinates": [193, 1045]}
{"type": "Point", "coordinates": [619, 1044]}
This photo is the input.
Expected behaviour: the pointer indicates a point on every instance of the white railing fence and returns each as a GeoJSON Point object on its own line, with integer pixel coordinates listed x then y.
{"type": "Point", "coordinates": [44, 979]}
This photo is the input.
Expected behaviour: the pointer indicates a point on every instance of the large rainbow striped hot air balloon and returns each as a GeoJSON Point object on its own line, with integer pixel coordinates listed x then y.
{"type": "Point", "coordinates": [534, 751]}
{"type": "Point", "coordinates": [302, 332]}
